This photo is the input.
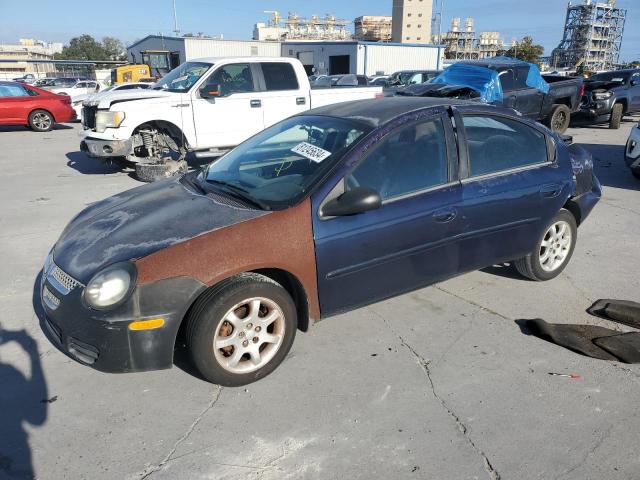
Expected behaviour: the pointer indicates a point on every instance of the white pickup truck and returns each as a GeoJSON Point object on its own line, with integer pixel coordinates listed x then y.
{"type": "Point", "coordinates": [206, 105]}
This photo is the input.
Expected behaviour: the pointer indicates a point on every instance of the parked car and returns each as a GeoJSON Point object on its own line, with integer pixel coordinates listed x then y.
{"type": "Point", "coordinates": [207, 105]}
{"type": "Point", "coordinates": [324, 212]}
{"type": "Point", "coordinates": [632, 151]}
{"type": "Point", "coordinates": [82, 87]}
{"type": "Point", "coordinates": [44, 82]}
{"type": "Point", "coordinates": [411, 77]}
{"type": "Point", "coordinates": [346, 80]}
{"type": "Point", "coordinates": [78, 100]}
{"type": "Point", "coordinates": [609, 96]}
{"type": "Point", "coordinates": [512, 83]}
{"type": "Point", "coordinates": [379, 80]}
{"type": "Point", "coordinates": [28, 78]}
{"type": "Point", "coordinates": [22, 104]}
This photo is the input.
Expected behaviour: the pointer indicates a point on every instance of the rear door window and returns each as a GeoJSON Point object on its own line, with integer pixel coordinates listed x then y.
{"type": "Point", "coordinates": [13, 91]}
{"type": "Point", "coordinates": [497, 144]}
{"type": "Point", "coordinates": [279, 76]}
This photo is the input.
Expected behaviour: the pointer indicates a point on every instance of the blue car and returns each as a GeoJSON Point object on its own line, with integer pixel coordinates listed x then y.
{"type": "Point", "coordinates": [324, 212]}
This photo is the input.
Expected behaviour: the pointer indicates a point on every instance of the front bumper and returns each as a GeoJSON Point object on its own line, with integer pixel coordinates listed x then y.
{"type": "Point", "coordinates": [98, 148]}
{"type": "Point", "coordinates": [632, 151]}
{"type": "Point", "coordinates": [103, 340]}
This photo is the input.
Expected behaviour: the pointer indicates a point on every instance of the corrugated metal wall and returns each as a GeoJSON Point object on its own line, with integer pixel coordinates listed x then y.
{"type": "Point", "coordinates": [156, 43]}
{"type": "Point", "coordinates": [206, 47]}
{"type": "Point", "coordinates": [391, 58]}
{"type": "Point", "coordinates": [320, 54]}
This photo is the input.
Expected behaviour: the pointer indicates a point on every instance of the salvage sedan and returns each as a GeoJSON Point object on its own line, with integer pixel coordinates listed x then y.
{"type": "Point", "coordinates": [325, 212]}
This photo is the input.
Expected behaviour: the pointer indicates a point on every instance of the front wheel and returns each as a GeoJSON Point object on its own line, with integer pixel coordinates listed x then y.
{"type": "Point", "coordinates": [617, 112]}
{"type": "Point", "coordinates": [241, 330]}
{"type": "Point", "coordinates": [553, 250]}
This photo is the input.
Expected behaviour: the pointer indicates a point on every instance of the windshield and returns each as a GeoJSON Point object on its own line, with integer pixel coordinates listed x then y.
{"type": "Point", "coordinates": [64, 82]}
{"type": "Point", "coordinates": [619, 77]}
{"type": "Point", "coordinates": [182, 78]}
{"type": "Point", "coordinates": [280, 165]}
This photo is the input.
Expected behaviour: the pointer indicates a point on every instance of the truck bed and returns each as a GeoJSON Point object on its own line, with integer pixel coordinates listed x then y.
{"type": "Point", "coordinates": [327, 96]}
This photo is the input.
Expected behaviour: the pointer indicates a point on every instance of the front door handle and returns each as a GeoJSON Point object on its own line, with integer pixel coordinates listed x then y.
{"type": "Point", "coordinates": [301, 101]}
{"type": "Point", "coordinates": [445, 216]}
{"type": "Point", "coordinates": [256, 103]}
{"type": "Point", "coordinates": [551, 190]}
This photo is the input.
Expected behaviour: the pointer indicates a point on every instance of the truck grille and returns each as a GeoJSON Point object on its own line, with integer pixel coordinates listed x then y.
{"type": "Point", "coordinates": [89, 117]}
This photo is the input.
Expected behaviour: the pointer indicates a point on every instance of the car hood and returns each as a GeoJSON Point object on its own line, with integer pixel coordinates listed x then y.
{"type": "Point", "coordinates": [598, 85]}
{"type": "Point", "coordinates": [139, 222]}
{"type": "Point", "coordinates": [110, 98]}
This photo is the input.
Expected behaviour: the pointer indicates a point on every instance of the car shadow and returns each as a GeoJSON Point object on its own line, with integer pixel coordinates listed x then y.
{"type": "Point", "coordinates": [92, 166]}
{"type": "Point", "coordinates": [506, 270]}
{"type": "Point", "coordinates": [23, 401]}
{"type": "Point", "coordinates": [22, 128]}
{"type": "Point", "coordinates": [610, 167]}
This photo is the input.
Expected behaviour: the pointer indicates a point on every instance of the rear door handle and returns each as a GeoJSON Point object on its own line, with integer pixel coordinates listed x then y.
{"type": "Point", "coordinates": [256, 103]}
{"type": "Point", "coordinates": [445, 216]}
{"type": "Point", "coordinates": [551, 190]}
{"type": "Point", "coordinates": [301, 101]}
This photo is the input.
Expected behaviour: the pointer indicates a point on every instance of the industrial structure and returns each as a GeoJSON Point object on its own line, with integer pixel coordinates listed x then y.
{"type": "Point", "coordinates": [27, 49]}
{"type": "Point", "coordinates": [295, 27]}
{"type": "Point", "coordinates": [412, 21]}
{"type": "Point", "coordinates": [373, 28]}
{"type": "Point", "coordinates": [592, 37]}
{"type": "Point", "coordinates": [464, 44]}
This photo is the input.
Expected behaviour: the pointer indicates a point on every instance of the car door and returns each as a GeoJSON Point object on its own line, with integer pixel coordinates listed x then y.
{"type": "Point", "coordinates": [281, 94]}
{"type": "Point", "coordinates": [235, 115]}
{"type": "Point", "coordinates": [14, 104]}
{"type": "Point", "coordinates": [634, 86]}
{"type": "Point", "coordinates": [511, 187]}
{"type": "Point", "coordinates": [518, 95]}
{"type": "Point", "coordinates": [406, 243]}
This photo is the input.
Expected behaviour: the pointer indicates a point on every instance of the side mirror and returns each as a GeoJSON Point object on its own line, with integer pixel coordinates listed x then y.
{"type": "Point", "coordinates": [352, 202]}
{"type": "Point", "coordinates": [211, 90]}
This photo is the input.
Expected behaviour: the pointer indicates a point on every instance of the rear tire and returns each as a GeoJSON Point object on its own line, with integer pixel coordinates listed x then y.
{"type": "Point", "coordinates": [153, 172]}
{"type": "Point", "coordinates": [617, 112]}
{"type": "Point", "coordinates": [553, 251]}
{"type": "Point", "coordinates": [559, 119]}
{"type": "Point", "coordinates": [241, 330]}
{"type": "Point", "coordinates": [41, 121]}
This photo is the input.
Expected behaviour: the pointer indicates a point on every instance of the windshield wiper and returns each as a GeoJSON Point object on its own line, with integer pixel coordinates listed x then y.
{"type": "Point", "coordinates": [241, 193]}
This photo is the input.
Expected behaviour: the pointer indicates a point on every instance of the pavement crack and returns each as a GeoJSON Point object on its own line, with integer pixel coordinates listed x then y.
{"type": "Point", "coordinates": [601, 439]}
{"type": "Point", "coordinates": [147, 472]}
{"type": "Point", "coordinates": [425, 366]}
{"type": "Point", "coordinates": [471, 302]}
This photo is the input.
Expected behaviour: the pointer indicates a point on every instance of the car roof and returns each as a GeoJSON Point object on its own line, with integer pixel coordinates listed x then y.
{"type": "Point", "coordinates": [380, 111]}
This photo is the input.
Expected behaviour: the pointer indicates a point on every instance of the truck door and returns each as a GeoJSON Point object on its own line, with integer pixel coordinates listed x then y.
{"type": "Point", "coordinates": [527, 100]}
{"type": "Point", "coordinates": [634, 85]}
{"type": "Point", "coordinates": [281, 94]}
{"type": "Point", "coordinates": [235, 115]}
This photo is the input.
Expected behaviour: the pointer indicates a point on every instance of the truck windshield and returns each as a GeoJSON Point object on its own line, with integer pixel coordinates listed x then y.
{"type": "Point", "coordinates": [277, 167]}
{"type": "Point", "coordinates": [182, 78]}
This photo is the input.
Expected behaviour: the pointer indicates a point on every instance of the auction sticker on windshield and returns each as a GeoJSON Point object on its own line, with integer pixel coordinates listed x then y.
{"type": "Point", "coordinates": [311, 152]}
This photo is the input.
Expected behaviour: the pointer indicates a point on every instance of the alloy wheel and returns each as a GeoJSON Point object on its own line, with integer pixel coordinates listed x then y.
{"type": "Point", "coordinates": [42, 121]}
{"type": "Point", "coordinates": [555, 246]}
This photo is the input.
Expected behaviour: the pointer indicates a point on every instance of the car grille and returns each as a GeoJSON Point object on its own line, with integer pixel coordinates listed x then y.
{"type": "Point", "coordinates": [50, 299]}
{"type": "Point", "coordinates": [62, 281]}
{"type": "Point", "coordinates": [89, 117]}
{"type": "Point", "coordinates": [54, 330]}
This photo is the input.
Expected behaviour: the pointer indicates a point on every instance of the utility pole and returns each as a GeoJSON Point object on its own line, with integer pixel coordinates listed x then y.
{"type": "Point", "coordinates": [176, 30]}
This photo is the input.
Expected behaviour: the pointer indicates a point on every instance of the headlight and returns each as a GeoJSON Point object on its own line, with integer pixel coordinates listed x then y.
{"type": "Point", "coordinates": [110, 286]}
{"type": "Point", "coordinates": [602, 95]}
{"type": "Point", "coordinates": [106, 119]}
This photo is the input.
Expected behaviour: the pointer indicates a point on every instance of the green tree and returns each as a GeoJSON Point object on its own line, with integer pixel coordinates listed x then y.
{"type": "Point", "coordinates": [83, 47]}
{"type": "Point", "coordinates": [114, 48]}
{"type": "Point", "coordinates": [526, 50]}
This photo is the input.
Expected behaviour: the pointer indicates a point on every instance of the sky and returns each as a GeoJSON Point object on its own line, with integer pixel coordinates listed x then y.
{"type": "Point", "coordinates": [129, 20]}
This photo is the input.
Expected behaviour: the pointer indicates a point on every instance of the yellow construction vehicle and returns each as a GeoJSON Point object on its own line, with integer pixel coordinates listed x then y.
{"type": "Point", "coordinates": [130, 73]}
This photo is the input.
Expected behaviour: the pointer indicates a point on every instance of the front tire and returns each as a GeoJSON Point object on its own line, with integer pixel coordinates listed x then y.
{"type": "Point", "coordinates": [149, 172]}
{"type": "Point", "coordinates": [241, 330]}
{"type": "Point", "coordinates": [41, 121]}
{"type": "Point", "coordinates": [559, 119]}
{"type": "Point", "coordinates": [617, 112]}
{"type": "Point", "coordinates": [553, 250]}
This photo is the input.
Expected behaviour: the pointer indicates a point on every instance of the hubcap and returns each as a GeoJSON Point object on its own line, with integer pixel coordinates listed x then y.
{"type": "Point", "coordinates": [41, 121]}
{"type": "Point", "coordinates": [555, 246]}
{"type": "Point", "coordinates": [559, 120]}
{"type": "Point", "coordinates": [249, 335]}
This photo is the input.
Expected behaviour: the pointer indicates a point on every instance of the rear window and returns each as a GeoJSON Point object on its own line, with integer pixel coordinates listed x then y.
{"type": "Point", "coordinates": [279, 76]}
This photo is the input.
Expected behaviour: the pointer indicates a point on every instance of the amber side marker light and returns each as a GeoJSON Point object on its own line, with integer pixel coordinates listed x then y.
{"type": "Point", "coordinates": [147, 324]}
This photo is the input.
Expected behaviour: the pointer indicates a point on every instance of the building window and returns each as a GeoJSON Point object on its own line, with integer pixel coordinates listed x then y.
{"type": "Point", "coordinates": [408, 25]}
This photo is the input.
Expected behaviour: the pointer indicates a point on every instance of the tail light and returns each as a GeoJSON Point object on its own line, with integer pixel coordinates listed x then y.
{"type": "Point", "coordinates": [582, 90]}
{"type": "Point", "coordinates": [65, 99]}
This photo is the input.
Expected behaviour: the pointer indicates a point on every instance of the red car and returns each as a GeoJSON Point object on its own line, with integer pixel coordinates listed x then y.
{"type": "Point", "coordinates": [22, 104]}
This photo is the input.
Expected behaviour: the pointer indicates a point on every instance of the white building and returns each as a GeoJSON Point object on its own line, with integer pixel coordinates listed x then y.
{"type": "Point", "coordinates": [412, 21]}
{"type": "Point", "coordinates": [364, 58]}
{"type": "Point", "coordinates": [27, 49]}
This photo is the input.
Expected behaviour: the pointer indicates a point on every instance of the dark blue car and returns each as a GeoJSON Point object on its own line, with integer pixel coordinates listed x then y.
{"type": "Point", "coordinates": [324, 212]}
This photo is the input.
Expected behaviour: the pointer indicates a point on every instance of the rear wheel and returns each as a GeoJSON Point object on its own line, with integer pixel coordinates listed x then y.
{"type": "Point", "coordinates": [241, 330]}
{"type": "Point", "coordinates": [41, 121]}
{"type": "Point", "coordinates": [553, 250]}
{"type": "Point", "coordinates": [617, 113]}
{"type": "Point", "coordinates": [559, 119]}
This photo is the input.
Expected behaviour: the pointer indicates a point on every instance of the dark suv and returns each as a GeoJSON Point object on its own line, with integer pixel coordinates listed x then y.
{"type": "Point", "coordinates": [609, 96]}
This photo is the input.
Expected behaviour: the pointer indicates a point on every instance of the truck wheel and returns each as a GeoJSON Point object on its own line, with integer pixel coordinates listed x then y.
{"type": "Point", "coordinates": [553, 250]}
{"type": "Point", "coordinates": [152, 172]}
{"type": "Point", "coordinates": [41, 121]}
{"type": "Point", "coordinates": [617, 113]}
{"type": "Point", "coordinates": [241, 330]}
{"type": "Point", "coordinates": [559, 119]}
